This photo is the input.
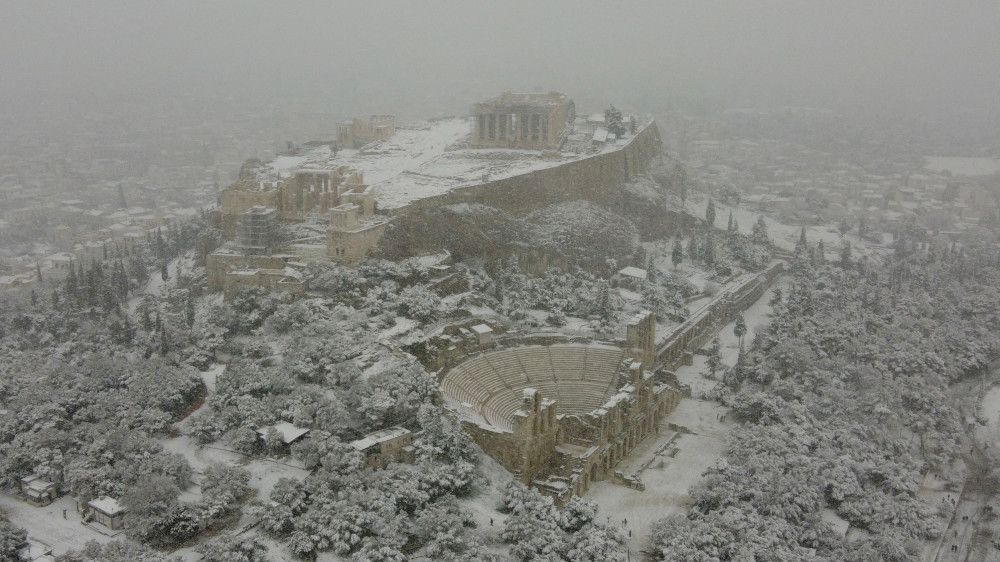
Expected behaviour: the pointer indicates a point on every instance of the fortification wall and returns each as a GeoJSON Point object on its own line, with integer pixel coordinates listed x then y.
{"type": "Point", "coordinates": [589, 178]}
{"type": "Point", "coordinates": [418, 227]}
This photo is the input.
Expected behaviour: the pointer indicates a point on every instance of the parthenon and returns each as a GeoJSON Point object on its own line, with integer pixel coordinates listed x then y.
{"type": "Point", "coordinates": [527, 121]}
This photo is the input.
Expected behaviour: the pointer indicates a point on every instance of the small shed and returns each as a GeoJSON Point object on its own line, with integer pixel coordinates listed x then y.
{"type": "Point", "coordinates": [289, 432]}
{"type": "Point", "coordinates": [107, 512]}
{"type": "Point", "coordinates": [631, 277]}
{"type": "Point", "coordinates": [484, 334]}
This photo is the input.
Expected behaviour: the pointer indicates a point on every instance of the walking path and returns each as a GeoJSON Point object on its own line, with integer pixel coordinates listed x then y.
{"type": "Point", "coordinates": [668, 478]}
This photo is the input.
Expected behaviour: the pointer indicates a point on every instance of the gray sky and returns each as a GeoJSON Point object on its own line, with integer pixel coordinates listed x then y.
{"type": "Point", "coordinates": [429, 57]}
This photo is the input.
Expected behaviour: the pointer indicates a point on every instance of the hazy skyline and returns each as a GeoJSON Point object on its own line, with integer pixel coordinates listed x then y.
{"type": "Point", "coordinates": [435, 57]}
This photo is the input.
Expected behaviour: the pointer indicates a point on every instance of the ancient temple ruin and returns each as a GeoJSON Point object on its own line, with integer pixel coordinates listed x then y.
{"type": "Point", "coordinates": [525, 121]}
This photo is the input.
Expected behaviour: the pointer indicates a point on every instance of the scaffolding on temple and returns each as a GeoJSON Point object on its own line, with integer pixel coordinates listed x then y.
{"type": "Point", "coordinates": [256, 230]}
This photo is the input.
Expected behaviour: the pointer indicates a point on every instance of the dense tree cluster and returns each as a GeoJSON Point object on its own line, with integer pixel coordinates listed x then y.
{"type": "Point", "coordinates": [12, 540]}
{"type": "Point", "coordinates": [116, 551]}
{"type": "Point", "coordinates": [844, 406]}
{"type": "Point", "coordinates": [86, 422]}
{"type": "Point", "coordinates": [726, 253]}
{"type": "Point", "coordinates": [536, 530]}
{"type": "Point", "coordinates": [379, 514]}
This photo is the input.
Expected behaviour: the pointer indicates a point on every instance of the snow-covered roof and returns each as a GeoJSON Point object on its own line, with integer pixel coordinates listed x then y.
{"type": "Point", "coordinates": [107, 505]}
{"type": "Point", "coordinates": [379, 437]}
{"type": "Point", "coordinates": [289, 433]}
{"type": "Point", "coordinates": [633, 272]}
{"type": "Point", "coordinates": [482, 329]}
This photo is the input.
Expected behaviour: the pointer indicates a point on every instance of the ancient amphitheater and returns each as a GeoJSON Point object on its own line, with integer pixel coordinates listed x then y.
{"type": "Point", "coordinates": [489, 388]}
{"type": "Point", "coordinates": [562, 415]}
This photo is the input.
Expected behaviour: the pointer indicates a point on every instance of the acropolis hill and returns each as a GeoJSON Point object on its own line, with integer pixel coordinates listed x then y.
{"type": "Point", "coordinates": [516, 153]}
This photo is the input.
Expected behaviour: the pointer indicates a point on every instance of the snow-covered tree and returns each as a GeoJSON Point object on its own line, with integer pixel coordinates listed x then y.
{"type": "Point", "coordinates": [713, 362]}
{"type": "Point", "coordinates": [759, 233]}
{"type": "Point", "coordinates": [597, 543]}
{"type": "Point", "coordinates": [155, 515]}
{"type": "Point", "coordinates": [12, 540]}
{"type": "Point", "coordinates": [116, 551]}
{"type": "Point", "coordinates": [532, 528]}
{"type": "Point", "coordinates": [577, 513]}
{"type": "Point", "coordinates": [614, 122]}
{"type": "Point", "coordinates": [740, 328]}
{"type": "Point", "coordinates": [845, 255]}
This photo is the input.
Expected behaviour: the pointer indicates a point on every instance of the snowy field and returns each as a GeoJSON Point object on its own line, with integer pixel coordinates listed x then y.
{"type": "Point", "coordinates": [46, 524]}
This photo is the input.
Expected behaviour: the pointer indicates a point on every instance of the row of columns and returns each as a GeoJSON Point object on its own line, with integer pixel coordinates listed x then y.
{"type": "Point", "coordinates": [517, 126]}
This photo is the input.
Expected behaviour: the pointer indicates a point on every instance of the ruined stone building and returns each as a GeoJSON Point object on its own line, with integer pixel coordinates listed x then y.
{"type": "Point", "coordinates": [307, 193]}
{"type": "Point", "coordinates": [356, 133]}
{"type": "Point", "coordinates": [312, 202]}
{"type": "Point", "coordinates": [333, 201]}
{"type": "Point", "coordinates": [385, 446]}
{"type": "Point", "coordinates": [526, 121]}
{"type": "Point", "coordinates": [562, 416]}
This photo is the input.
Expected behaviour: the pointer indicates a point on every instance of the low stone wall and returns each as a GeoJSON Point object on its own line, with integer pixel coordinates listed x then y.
{"type": "Point", "coordinates": [693, 333]}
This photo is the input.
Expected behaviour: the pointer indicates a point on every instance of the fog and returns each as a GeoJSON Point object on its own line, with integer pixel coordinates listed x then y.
{"type": "Point", "coordinates": [431, 58]}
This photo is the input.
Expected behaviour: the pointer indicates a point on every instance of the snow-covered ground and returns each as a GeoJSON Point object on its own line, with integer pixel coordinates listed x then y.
{"type": "Point", "coordinates": [47, 525]}
{"type": "Point", "coordinates": [668, 479]}
{"type": "Point", "coordinates": [484, 503]}
{"type": "Point", "coordinates": [420, 161]}
{"type": "Point", "coordinates": [402, 326]}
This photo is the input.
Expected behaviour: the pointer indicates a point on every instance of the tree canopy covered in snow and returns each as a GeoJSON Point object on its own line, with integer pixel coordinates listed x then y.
{"type": "Point", "coordinates": [843, 407]}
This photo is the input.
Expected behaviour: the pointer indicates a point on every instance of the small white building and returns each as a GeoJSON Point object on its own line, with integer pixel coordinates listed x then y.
{"type": "Point", "coordinates": [631, 277]}
{"type": "Point", "coordinates": [385, 446]}
{"type": "Point", "coordinates": [483, 333]}
{"type": "Point", "coordinates": [107, 512]}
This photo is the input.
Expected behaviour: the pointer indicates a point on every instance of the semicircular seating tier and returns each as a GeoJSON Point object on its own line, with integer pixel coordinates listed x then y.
{"type": "Point", "coordinates": [490, 387]}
